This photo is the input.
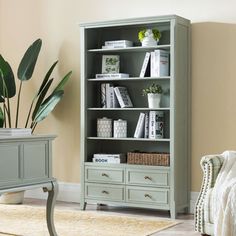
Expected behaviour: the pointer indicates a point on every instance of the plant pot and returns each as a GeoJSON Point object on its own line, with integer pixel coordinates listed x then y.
{"type": "Point", "coordinates": [154, 100]}
{"type": "Point", "coordinates": [12, 198]}
{"type": "Point", "coordinates": [149, 42]}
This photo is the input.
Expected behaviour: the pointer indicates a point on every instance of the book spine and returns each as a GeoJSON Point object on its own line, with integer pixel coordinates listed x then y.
{"type": "Point", "coordinates": [115, 76]}
{"type": "Point", "coordinates": [164, 63]}
{"type": "Point", "coordinates": [119, 98]}
{"type": "Point", "coordinates": [153, 64]}
{"type": "Point", "coordinates": [152, 129]}
{"type": "Point", "coordinates": [126, 43]}
{"type": "Point", "coordinates": [108, 96]}
{"type": "Point", "coordinates": [146, 126]}
{"type": "Point", "coordinates": [139, 131]}
{"type": "Point", "coordinates": [111, 94]}
{"type": "Point", "coordinates": [103, 95]}
{"type": "Point", "coordinates": [145, 65]}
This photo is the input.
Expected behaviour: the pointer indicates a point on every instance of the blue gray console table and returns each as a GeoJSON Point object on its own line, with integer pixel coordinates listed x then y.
{"type": "Point", "coordinates": [26, 163]}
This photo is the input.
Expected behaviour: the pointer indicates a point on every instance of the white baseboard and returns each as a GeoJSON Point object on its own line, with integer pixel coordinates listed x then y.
{"type": "Point", "coordinates": [68, 192]}
{"type": "Point", "coordinates": [193, 200]}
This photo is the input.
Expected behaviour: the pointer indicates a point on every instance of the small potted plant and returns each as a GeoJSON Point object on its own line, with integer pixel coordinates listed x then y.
{"type": "Point", "coordinates": [153, 93]}
{"type": "Point", "coordinates": [149, 37]}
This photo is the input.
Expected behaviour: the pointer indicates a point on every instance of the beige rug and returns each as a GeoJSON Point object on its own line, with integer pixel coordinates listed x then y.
{"type": "Point", "coordinates": [30, 221]}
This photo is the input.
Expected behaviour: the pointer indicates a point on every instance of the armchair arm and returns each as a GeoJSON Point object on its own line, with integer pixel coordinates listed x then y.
{"type": "Point", "coordinates": [211, 165]}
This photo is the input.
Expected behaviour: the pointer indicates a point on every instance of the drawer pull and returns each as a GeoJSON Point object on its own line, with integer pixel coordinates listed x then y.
{"type": "Point", "coordinates": [105, 192]}
{"type": "Point", "coordinates": [147, 177]}
{"type": "Point", "coordinates": [147, 195]}
{"type": "Point", "coordinates": [105, 175]}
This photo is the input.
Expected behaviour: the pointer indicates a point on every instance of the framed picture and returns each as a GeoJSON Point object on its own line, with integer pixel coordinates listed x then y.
{"type": "Point", "coordinates": [110, 64]}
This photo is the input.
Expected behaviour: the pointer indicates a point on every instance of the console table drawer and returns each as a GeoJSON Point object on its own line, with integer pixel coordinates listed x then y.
{"type": "Point", "coordinates": [105, 192]}
{"type": "Point", "coordinates": [104, 175]}
{"type": "Point", "coordinates": [142, 177]}
{"type": "Point", "coordinates": [147, 195]}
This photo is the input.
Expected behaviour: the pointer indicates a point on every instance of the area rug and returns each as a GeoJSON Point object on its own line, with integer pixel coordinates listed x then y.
{"type": "Point", "coordinates": [20, 220]}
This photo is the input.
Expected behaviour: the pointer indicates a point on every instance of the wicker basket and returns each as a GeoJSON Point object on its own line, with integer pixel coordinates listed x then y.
{"type": "Point", "coordinates": [153, 159]}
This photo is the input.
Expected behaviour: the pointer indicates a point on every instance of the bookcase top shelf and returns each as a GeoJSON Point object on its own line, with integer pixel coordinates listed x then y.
{"type": "Point", "coordinates": [130, 78]}
{"type": "Point", "coordinates": [131, 139]}
{"type": "Point", "coordinates": [128, 49]}
{"type": "Point", "coordinates": [129, 109]}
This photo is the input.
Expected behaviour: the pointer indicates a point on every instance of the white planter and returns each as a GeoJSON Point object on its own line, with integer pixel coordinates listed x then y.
{"type": "Point", "coordinates": [149, 42]}
{"type": "Point", "coordinates": [154, 100]}
{"type": "Point", "coordinates": [12, 198]}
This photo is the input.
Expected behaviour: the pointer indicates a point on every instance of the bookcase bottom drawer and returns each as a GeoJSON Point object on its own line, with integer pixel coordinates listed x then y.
{"type": "Point", "coordinates": [105, 192]}
{"type": "Point", "coordinates": [147, 195]}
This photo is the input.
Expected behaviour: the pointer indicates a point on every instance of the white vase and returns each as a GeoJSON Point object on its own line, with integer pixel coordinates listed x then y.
{"type": "Point", "coordinates": [154, 100]}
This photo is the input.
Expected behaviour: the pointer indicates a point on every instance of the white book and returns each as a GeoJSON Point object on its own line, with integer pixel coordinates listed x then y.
{"type": "Point", "coordinates": [126, 43]}
{"type": "Point", "coordinates": [15, 132]}
{"type": "Point", "coordinates": [110, 64]}
{"type": "Point", "coordinates": [112, 76]}
{"type": "Point", "coordinates": [123, 97]}
{"type": "Point", "coordinates": [146, 125]}
{"type": "Point", "coordinates": [159, 63]}
{"type": "Point", "coordinates": [139, 131]}
{"type": "Point", "coordinates": [114, 100]}
{"type": "Point", "coordinates": [156, 127]}
{"type": "Point", "coordinates": [145, 64]}
{"type": "Point", "coordinates": [114, 46]}
{"type": "Point", "coordinates": [109, 158]}
{"type": "Point", "coordinates": [108, 96]}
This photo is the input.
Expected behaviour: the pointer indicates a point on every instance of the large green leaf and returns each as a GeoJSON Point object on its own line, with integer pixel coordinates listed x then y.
{"type": "Point", "coordinates": [28, 62]}
{"type": "Point", "coordinates": [41, 98]}
{"type": "Point", "coordinates": [7, 79]}
{"type": "Point", "coordinates": [47, 76]}
{"type": "Point", "coordinates": [1, 118]}
{"type": "Point", "coordinates": [62, 83]}
{"type": "Point", "coordinates": [48, 105]}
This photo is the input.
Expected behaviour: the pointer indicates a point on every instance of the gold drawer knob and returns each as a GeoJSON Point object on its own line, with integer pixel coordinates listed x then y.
{"type": "Point", "coordinates": [147, 196]}
{"type": "Point", "coordinates": [147, 177]}
{"type": "Point", "coordinates": [105, 192]}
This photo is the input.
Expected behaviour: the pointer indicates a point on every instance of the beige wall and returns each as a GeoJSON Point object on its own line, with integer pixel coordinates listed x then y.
{"type": "Point", "coordinates": [55, 21]}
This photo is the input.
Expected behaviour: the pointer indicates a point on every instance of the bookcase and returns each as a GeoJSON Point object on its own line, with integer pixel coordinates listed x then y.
{"type": "Point", "coordinates": [146, 186]}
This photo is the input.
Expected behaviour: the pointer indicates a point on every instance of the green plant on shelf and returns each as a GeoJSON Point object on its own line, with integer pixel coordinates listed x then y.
{"type": "Point", "coordinates": [156, 34]}
{"type": "Point", "coordinates": [154, 88]}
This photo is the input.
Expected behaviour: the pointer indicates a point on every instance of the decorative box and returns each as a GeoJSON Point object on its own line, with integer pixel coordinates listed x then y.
{"type": "Point", "coordinates": [104, 127]}
{"type": "Point", "coordinates": [120, 129]}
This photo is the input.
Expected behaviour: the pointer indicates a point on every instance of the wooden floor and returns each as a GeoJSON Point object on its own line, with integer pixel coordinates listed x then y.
{"type": "Point", "coordinates": [186, 227]}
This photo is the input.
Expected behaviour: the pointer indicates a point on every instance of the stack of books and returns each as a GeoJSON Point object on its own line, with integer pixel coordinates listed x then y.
{"type": "Point", "coordinates": [14, 132]}
{"type": "Point", "coordinates": [109, 158]}
{"type": "Point", "coordinates": [155, 64]}
{"type": "Point", "coordinates": [114, 97]}
{"type": "Point", "coordinates": [117, 44]}
{"type": "Point", "coordinates": [150, 125]}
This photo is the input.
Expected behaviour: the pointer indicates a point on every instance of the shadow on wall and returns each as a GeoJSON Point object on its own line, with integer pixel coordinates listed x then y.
{"type": "Point", "coordinates": [213, 92]}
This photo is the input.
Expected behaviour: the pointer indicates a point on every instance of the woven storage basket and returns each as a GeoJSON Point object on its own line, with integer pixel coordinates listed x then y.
{"type": "Point", "coordinates": [153, 159]}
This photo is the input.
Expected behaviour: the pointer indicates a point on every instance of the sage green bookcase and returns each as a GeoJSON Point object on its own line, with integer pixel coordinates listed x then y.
{"type": "Point", "coordinates": [156, 187]}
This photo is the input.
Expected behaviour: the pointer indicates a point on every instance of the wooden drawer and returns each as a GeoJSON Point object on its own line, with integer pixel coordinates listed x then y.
{"type": "Point", "coordinates": [104, 175]}
{"type": "Point", "coordinates": [147, 195]}
{"type": "Point", "coordinates": [147, 177]}
{"type": "Point", "coordinates": [105, 192]}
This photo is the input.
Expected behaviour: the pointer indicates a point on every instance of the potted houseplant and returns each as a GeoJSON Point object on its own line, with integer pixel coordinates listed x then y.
{"type": "Point", "coordinates": [42, 102]}
{"type": "Point", "coordinates": [153, 93]}
{"type": "Point", "coordinates": [149, 37]}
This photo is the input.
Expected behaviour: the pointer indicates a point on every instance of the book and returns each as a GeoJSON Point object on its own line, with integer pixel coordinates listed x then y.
{"type": "Point", "coordinates": [103, 95]}
{"type": "Point", "coordinates": [123, 97]}
{"type": "Point", "coordinates": [156, 125]}
{"type": "Point", "coordinates": [144, 69]}
{"type": "Point", "coordinates": [112, 76]}
{"type": "Point", "coordinates": [146, 125]}
{"type": "Point", "coordinates": [119, 43]}
{"type": "Point", "coordinates": [114, 100]}
{"type": "Point", "coordinates": [108, 96]}
{"type": "Point", "coordinates": [15, 132]}
{"type": "Point", "coordinates": [110, 64]}
{"type": "Point", "coordinates": [139, 131]}
{"type": "Point", "coordinates": [159, 63]}
{"type": "Point", "coordinates": [109, 158]}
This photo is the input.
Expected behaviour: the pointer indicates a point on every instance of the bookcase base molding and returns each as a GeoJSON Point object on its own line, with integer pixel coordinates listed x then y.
{"type": "Point", "coordinates": [143, 181]}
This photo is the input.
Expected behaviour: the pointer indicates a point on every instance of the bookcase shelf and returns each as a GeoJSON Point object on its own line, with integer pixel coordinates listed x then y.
{"type": "Point", "coordinates": [131, 139]}
{"type": "Point", "coordinates": [131, 79]}
{"type": "Point", "coordinates": [129, 49]}
{"type": "Point", "coordinates": [170, 184]}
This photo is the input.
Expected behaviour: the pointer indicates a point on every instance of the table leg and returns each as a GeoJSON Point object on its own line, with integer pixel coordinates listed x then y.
{"type": "Point", "coordinates": [52, 195]}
